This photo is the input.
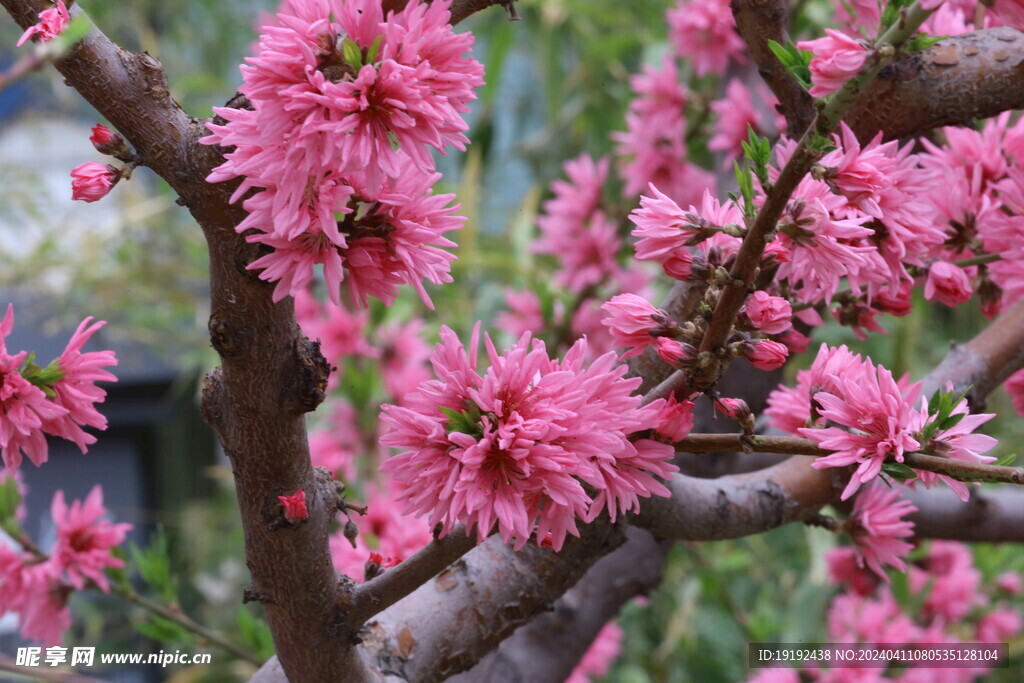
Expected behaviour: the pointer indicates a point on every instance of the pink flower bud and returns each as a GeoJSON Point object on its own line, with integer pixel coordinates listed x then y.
{"type": "Point", "coordinates": [92, 181]}
{"type": "Point", "coordinates": [837, 59]}
{"type": "Point", "coordinates": [633, 322]}
{"type": "Point", "coordinates": [294, 506]}
{"type": "Point", "coordinates": [108, 142]}
{"type": "Point", "coordinates": [896, 303]}
{"type": "Point", "coordinates": [673, 352]}
{"type": "Point", "coordinates": [796, 341]}
{"type": "Point", "coordinates": [947, 284]}
{"type": "Point", "coordinates": [679, 265]}
{"type": "Point", "coordinates": [675, 421]}
{"type": "Point", "coordinates": [52, 23]}
{"type": "Point", "coordinates": [736, 408]}
{"type": "Point", "coordinates": [768, 355]}
{"type": "Point", "coordinates": [770, 314]}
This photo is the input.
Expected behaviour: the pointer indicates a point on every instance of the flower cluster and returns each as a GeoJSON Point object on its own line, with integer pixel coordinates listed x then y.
{"type": "Point", "coordinates": [516, 446]}
{"type": "Point", "coordinates": [37, 587]}
{"type": "Point", "coordinates": [344, 108]}
{"type": "Point", "coordinates": [58, 400]}
{"type": "Point", "coordinates": [874, 419]}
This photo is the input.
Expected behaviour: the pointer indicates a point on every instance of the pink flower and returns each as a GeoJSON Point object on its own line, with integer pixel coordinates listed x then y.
{"type": "Point", "coordinates": [338, 443]}
{"type": "Point", "coordinates": [598, 658]}
{"type": "Point", "coordinates": [108, 142]}
{"type": "Point", "coordinates": [1009, 582]}
{"type": "Point", "coordinates": [675, 421]}
{"type": "Point", "coordinates": [294, 506]}
{"type": "Point", "coordinates": [1010, 11]}
{"type": "Point", "coordinates": [768, 355]}
{"type": "Point", "coordinates": [736, 408]}
{"type": "Point", "coordinates": [524, 313]}
{"type": "Point", "coordinates": [76, 391]}
{"type": "Point", "coordinates": [340, 152]}
{"type": "Point", "coordinates": [84, 540]}
{"type": "Point", "coordinates": [846, 568]}
{"type": "Point", "coordinates": [92, 181]}
{"type": "Point", "coordinates": [634, 323]}
{"type": "Point", "coordinates": [998, 626]}
{"type": "Point", "coordinates": [512, 447]}
{"type": "Point", "coordinates": [52, 23]}
{"type": "Point", "coordinates": [769, 314]}
{"type": "Point", "coordinates": [947, 284]}
{"type": "Point", "coordinates": [673, 352]}
{"type": "Point", "coordinates": [705, 32]}
{"type": "Point", "coordinates": [24, 407]}
{"type": "Point", "coordinates": [877, 525]}
{"type": "Point", "coordinates": [837, 59]}
{"type": "Point", "coordinates": [663, 230]}
{"type": "Point", "coordinates": [951, 580]}
{"type": "Point", "coordinates": [341, 333]}
{"type": "Point", "coordinates": [869, 401]}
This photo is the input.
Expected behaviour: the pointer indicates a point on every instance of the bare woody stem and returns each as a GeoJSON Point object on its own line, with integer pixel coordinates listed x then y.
{"type": "Point", "coordinates": [752, 249]}
{"type": "Point", "coordinates": [795, 445]}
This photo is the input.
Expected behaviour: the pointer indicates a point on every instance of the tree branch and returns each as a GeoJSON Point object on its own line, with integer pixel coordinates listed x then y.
{"type": "Point", "coordinates": [960, 78]}
{"type": "Point", "coordinates": [451, 622]}
{"type": "Point", "coordinates": [992, 515]}
{"type": "Point", "coordinates": [379, 593]}
{"type": "Point", "coordinates": [548, 648]}
{"type": "Point", "coordinates": [759, 21]}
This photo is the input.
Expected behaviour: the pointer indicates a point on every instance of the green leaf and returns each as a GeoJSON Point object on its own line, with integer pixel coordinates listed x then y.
{"type": "Point", "coordinates": [352, 53]}
{"type": "Point", "coordinates": [951, 421]}
{"type": "Point", "coordinates": [795, 60]}
{"type": "Point", "coordinates": [255, 634]}
{"type": "Point", "coordinates": [898, 471]}
{"type": "Point", "coordinates": [10, 498]}
{"type": "Point", "coordinates": [1006, 461]}
{"type": "Point", "coordinates": [921, 42]}
{"type": "Point", "coordinates": [154, 566]}
{"type": "Point", "coordinates": [371, 54]}
{"type": "Point", "coordinates": [745, 181]}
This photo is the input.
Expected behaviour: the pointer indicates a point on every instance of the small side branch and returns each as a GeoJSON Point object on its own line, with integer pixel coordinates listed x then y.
{"type": "Point", "coordinates": [379, 593]}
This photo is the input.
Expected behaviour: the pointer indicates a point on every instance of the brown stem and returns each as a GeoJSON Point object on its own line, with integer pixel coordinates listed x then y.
{"type": "Point", "coordinates": [759, 21]}
{"type": "Point", "coordinates": [992, 515]}
{"type": "Point", "coordinates": [957, 80]}
{"type": "Point", "coordinates": [379, 593]}
{"type": "Point", "coordinates": [795, 445]}
{"type": "Point", "coordinates": [548, 648]}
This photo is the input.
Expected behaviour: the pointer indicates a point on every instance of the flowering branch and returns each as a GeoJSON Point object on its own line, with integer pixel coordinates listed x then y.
{"type": "Point", "coordinates": [795, 445]}
{"type": "Point", "coordinates": [379, 593]}
{"type": "Point", "coordinates": [751, 250]}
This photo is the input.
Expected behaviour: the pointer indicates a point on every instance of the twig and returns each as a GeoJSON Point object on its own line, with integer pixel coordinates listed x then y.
{"type": "Point", "coordinates": [795, 445]}
{"type": "Point", "coordinates": [20, 69]}
{"type": "Point", "coordinates": [379, 593]}
{"type": "Point", "coordinates": [751, 250]}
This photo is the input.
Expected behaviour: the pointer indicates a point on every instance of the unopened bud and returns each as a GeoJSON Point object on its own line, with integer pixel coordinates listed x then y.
{"type": "Point", "coordinates": [110, 143]}
{"type": "Point", "coordinates": [350, 531]}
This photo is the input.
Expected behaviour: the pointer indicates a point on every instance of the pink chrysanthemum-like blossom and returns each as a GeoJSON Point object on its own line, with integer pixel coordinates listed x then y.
{"type": "Point", "coordinates": [335, 135]}
{"type": "Point", "coordinates": [512, 447]}
{"type": "Point", "coordinates": [598, 658]}
{"type": "Point", "coordinates": [869, 401]}
{"type": "Point", "coordinates": [524, 313]}
{"type": "Point", "coordinates": [84, 540]}
{"type": "Point", "coordinates": [769, 314]}
{"type": "Point", "coordinates": [76, 391]}
{"type": "Point", "coordinates": [341, 333]}
{"type": "Point", "coordinates": [634, 323]}
{"type": "Point", "coordinates": [35, 591]}
{"type": "Point", "coordinates": [705, 32]}
{"type": "Point", "coordinates": [837, 59]}
{"type": "Point", "coordinates": [877, 525]}
{"type": "Point", "coordinates": [951, 580]}
{"type": "Point", "coordinates": [948, 284]}
{"type": "Point", "coordinates": [846, 568]}
{"type": "Point", "coordinates": [51, 24]}
{"type": "Point", "coordinates": [789, 408]}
